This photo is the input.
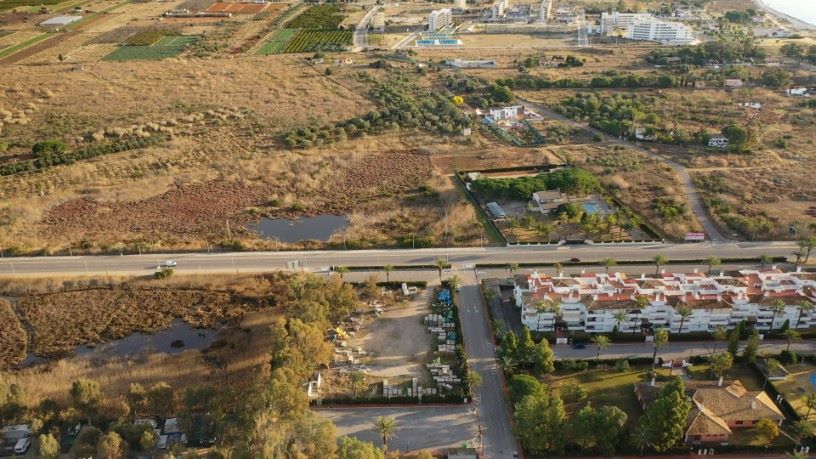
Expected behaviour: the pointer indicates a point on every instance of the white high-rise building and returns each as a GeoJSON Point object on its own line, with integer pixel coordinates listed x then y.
{"type": "Point", "coordinates": [663, 31]}
{"type": "Point", "coordinates": [614, 20]}
{"type": "Point", "coordinates": [440, 20]}
{"type": "Point", "coordinates": [498, 9]}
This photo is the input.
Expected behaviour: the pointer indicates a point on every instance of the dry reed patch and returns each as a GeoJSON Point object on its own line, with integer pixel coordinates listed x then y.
{"type": "Point", "coordinates": [64, 320]}
{"type": "Point", "coordinates": [13, 338]}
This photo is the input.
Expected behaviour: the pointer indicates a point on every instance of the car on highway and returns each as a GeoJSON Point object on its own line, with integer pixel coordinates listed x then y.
{"type": "Point", "coordinates": [575, 260]}
{"type": "Point", "coordinates": [578, 346]}
{"type": "Point", "coordinates": [170, 263]}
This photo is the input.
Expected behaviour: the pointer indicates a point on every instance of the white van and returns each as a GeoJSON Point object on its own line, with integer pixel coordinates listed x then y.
{"type": "Point", "coordinates": [22, 446]}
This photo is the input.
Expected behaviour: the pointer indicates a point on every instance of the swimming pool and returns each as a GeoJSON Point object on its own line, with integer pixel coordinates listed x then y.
{"type": "Point", "coordinates": [591, 208]}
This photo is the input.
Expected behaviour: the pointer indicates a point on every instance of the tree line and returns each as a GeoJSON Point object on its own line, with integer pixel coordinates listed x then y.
{"type": "Point", "coordinates": [53, 153]}
{"type": "Point", "coordinates": [610, 79]}
{"type": "Point", "coordinates": [570, 180]}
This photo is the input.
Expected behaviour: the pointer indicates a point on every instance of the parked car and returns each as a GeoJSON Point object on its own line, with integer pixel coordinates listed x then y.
{"type": "Point", "coordinates": [578, 346]}
{"type": "Point", "coordinates": [575, 259]}
{"type": "Point", "coordinates": [170, 263]}
{"type": "Point", "coordinates": [22, 446]}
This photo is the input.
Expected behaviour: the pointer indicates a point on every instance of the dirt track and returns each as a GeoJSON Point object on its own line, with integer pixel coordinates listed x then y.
{"type": "Point", "coordinates": [49, 42]}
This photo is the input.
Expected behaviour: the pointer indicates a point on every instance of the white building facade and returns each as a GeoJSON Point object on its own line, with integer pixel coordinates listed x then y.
{"type": "Point", "coordinates": [644, 26]}
{"type": "Point", "coordinates": [679, 302]}
{"type": "Point", "coordinates": [440, 20]}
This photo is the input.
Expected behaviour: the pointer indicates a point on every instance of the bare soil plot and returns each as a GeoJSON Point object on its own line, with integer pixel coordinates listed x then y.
{"type": "Point", "coordinates": [398, 344]}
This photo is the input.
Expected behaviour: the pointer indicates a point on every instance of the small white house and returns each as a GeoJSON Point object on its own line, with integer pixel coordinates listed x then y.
{"type": "Point", "coordinates": [733, 83]}
{"type": "Point", "coordinates": [798, 92]}
{"type": "Point", "coordinates": [718, 141]}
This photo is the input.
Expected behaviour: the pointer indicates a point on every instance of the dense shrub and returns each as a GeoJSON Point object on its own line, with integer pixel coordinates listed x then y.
{"type": "Point", "coordinates": [571, 180]}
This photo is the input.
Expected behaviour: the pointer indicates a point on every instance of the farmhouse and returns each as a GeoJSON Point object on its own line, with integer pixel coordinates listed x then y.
{"type": "Point", "coordinates": [798, 92]}
{"type": "Point", "coordinates": [548, 200]}
{"type": "Point", "coordinates": [718, 141]}
{"type": "Point", "coordinates": [511, 113]}
{"type": "Point", "coordinates": [717, 409]}
{"type": "Point", "coordinates": [602, 302]}
{"type": "Point", "coordinates": [733, 83]}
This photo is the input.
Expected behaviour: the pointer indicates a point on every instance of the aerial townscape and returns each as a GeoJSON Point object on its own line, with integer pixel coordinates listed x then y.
{"type": "Point", "coordinates": [381, 229]}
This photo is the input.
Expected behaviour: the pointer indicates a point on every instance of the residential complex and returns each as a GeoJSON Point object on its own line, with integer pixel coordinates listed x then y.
{"type": "Point", "coordinates": [644, 26]}
{"type": "Point", "coordinates": [680, 302]}
{"type": "Point", "coordinates": [440, 20]}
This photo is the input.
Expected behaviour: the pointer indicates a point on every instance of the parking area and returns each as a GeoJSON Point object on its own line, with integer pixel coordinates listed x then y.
{"type": "Point", "coordinates": [420, 427]}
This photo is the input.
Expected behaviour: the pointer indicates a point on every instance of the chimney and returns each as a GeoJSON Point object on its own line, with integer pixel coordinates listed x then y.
{"type": "Point", "coordinates": [722, 273]}
{"type": "Point", "coordinates": [798, 269]}
{"type": "Point", "coordinates": [695, 270]}
{"type": "Point", "coordinates": [773, 266]}
{"type": "Point", "coordinates": [643, 275]}
{"type": "Point", "coordinates": [720, 382]}
{"type": "Point", "coordinates": [753, 403]}
{"type": "Point", "coordinates": [652, 382]}
{"type": "Point", "coordinates": [583, 271]}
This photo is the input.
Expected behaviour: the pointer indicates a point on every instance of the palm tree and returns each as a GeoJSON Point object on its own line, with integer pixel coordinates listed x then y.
{"type": "Point", "coordinates": [454, 282]}
{"type": "Point", "coordinates": [441, 264]}
{"type": "Point", "coordinates": [555, 309]}
{"type": "Point", "coordinates": [685, 312]}
{"type": "Point", "coordinates": [802, 429]}
{"type": "Point", "coordinates": [765, 260]}
{"type": "Point", "coordinates": [602, 342]}
{"type": "Point", "coordinates": [807, 245]}
{"type": "Point", "coordinates": [659, 260]}
{"type": "Point", "coordinates": [512, 224]}
{"type": "Point", "coordinates": [608, 263]}
{"type": "Point", "coordinates": [546, 230]}
{"type": "Point", "coordinates": [558, 267]}
{"type": "Point", "coordinates": [712, 261]}
{"type": "Point", "coordinates": [810, 403]}
{"type": "Point", "coordinates": [777, 307]}
{"type": "Point", "coordinates": [720, 334]}
{"type": "Point", "coordinates": [474, 379]}
{"type": "Point", "coordinates": [388, 269]}
{"type": "Point", "coordinates": [791, 335]}
{"type": "Point", "coordinates": [642, 301]}
{"type": "Point", "coordinates": [796, 455]}
{"type": "Point", "coordinates": [508, 364]}
{"type": "Point", "coordinates": [619, 316]}
{"type": "Point", "coordinates": [385, 426]}
{"type": "Point", "coordinates": [771, 365]}
{"type": "Point", "coordinates": [804, 307]}
{"type": "Point", "coordinates": [541, 306]}
{"type": "Point", "coordinates": [341, 270]}
{"type": "Point", "coordinates": [357, 381]}
{"type": "Point", "coordinates": [661, 338]}
{"type": "Point", "coordinates": [799, 254]}
{"type": "Point", "coordinates": [641, 438]}
{"type": "Point", "coordinates": [513, 268]}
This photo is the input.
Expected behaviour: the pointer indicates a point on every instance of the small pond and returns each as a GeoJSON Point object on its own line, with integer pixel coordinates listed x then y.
{"type": "Point", "coordinates": [178, 338]}
{"type": "Point", "coordinates": [319, 228]}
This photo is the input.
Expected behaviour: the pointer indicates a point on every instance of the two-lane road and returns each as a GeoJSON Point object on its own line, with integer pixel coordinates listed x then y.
{"type": "Point", "coordinates": [191, 263]}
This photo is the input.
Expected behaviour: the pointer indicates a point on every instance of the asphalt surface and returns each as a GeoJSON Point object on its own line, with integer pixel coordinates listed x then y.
{"type": "Point", "coordinates": [418, 427]}
{"type": "Point", "coordinates": [360, 38]}
{"type": "Point", "coordinates": [492, 408]}
{"type": "Point", "coordinates": [315, 261]}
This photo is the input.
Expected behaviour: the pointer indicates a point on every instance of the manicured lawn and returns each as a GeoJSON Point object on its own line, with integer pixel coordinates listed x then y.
{"type": "Point", "coordinates": [746, 376]}
{"type": "Point", "coordinates": [606, 387]}
{"type": "Point", "coordinates": [166, 47]}
{"type": "Point", "coordinates": [797, 385]}
{"type": "Point", "coordinates": [277, 42]}
{"type": "Point", "coordinates": [748, 437]}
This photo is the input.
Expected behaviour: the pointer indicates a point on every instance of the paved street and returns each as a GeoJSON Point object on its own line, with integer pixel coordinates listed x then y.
{"type": "Point", "coordinates": [420, 427]}
{"type": "Point", "coordinates": [190, 263]}
{"type": "Point", "coordinates": [498, 440]}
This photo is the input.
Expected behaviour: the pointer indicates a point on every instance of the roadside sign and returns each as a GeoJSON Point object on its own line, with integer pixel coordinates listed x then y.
{"type": "Point", "coordinates": [695, 236]}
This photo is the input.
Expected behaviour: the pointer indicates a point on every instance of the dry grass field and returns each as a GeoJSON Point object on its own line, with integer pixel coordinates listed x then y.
{"type": "Point", "coordinates": [241, 351]}
{"type": "Point", "coordinates": [13, 339]}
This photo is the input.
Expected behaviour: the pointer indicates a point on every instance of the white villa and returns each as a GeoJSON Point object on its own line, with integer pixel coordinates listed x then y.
{"type": "Point", "coordinates": [594, 302]}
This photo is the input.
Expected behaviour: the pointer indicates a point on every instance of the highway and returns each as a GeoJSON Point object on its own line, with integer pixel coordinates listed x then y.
{"type": "Point", "coordinates": [315, 261]}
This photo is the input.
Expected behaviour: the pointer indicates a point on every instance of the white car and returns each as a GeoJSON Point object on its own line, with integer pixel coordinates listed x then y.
{"type": "Point", "coordinates": [22, 446]}
{"type": "Point", "coordinates": [170, 263]}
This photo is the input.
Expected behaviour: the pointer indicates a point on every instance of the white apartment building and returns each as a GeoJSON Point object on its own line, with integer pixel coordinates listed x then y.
{"type": "Point", "coordinates": [440, 20]}
{"type": "Point", "coordinates": [598, 302]}
{"type": "Point", "coordinates": [617, 20]}
{"type": "Point", "coordinates": [498, 9]}
{"type": "Point", "coordinates": [655, 29]}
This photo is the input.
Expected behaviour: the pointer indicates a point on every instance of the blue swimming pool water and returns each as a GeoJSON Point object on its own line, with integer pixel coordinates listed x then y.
{"type": "Point", "coordinates": [591, 208]}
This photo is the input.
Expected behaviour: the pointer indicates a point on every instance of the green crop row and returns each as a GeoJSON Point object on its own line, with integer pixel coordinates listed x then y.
{"type": "Point", "coordinates": [166, 47]}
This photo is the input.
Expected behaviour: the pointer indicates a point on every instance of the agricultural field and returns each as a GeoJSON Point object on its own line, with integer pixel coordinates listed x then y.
{"type": "Point", "coordinates": [277, 42]}
{"type": "Point", "coordinates": [306, 41]}
{"type": "Point", "coordinates": [168, 46]}
{"type": "Point", "coordinates": [324, 17]}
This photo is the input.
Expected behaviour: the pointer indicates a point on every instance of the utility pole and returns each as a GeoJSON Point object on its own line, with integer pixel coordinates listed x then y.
{"type": "Point", "coordinates": [229, 233]}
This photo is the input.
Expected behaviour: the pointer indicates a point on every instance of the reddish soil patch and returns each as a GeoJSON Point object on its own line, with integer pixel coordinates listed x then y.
{"type": "Point", "coordinates": [236, 8]}
{"type": "Point", "coordinates": [187, 210]}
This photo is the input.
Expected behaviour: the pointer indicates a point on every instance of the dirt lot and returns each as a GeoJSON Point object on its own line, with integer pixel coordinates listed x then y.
{"type": "Point", "coordinates": [398, 343]}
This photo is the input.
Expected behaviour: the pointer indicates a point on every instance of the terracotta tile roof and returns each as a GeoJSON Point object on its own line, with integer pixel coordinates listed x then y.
{"type": "Point", "coordinates": [702, 421]}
